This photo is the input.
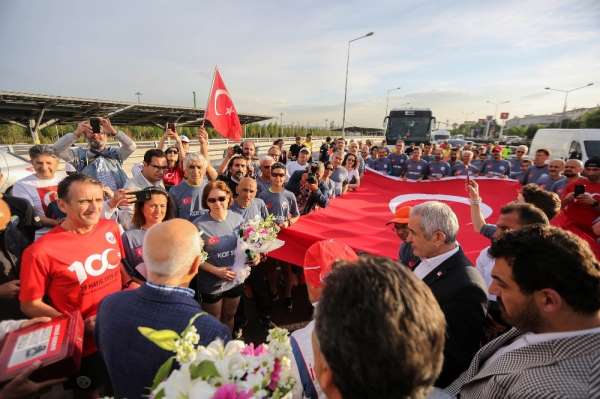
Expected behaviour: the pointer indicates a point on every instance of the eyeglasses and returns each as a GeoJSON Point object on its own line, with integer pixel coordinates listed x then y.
{"type": "Point", "coordinates": [331, 169]}
{"type": "Point", "coordinates": [215, 199]}
{"type": "Point", "coordinates": [172, 152]}
{"type": "Point", "coordinates": [277, 174]}
{"type": "Point", "coordinates": [158, 167]}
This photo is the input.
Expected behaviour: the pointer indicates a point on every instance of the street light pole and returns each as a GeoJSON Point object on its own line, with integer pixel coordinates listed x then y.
{"type": "Point", "coordinates": [387, 103]}
{"type": "Point", "coordinates": [564, 112]}
{"type": "Point", "coordinates": [346, 85]}
{"type": "Point", "coordinates": [281, 124]}
{"type": "Point", "coordinates": [496, 104]}
{"type": "Point", "coordinates": [139, 95]}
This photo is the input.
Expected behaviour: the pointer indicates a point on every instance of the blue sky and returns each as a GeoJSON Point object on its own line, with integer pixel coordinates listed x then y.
{"type": "Point", "coordinates": [289, 57]}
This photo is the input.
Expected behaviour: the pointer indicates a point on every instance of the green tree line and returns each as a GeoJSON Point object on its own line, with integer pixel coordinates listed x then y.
{"type": "Point", "coordinates": [589, 120]}
{"type": "Point", "coordinates": [13, 134]}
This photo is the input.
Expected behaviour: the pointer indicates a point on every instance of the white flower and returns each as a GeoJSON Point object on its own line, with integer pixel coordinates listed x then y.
{"type": "Point", "coordinates": [178, 383]}
{"type": "Point", "coordinates": [201, 389]}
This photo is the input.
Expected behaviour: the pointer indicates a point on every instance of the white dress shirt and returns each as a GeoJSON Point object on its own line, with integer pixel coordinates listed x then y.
{"type": "Point", "coordinates": [428, 264]}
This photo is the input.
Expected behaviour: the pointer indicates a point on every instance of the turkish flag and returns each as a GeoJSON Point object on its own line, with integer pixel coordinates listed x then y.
{"type": "Point", "coordinates": [221, 112]}
{"type": "Point", "coordinates": [359, 218]}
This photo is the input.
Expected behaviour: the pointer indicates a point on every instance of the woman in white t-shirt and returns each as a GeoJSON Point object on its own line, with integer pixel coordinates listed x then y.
{"type": "Point", "coordinates": [40, 188]}
{"type": "Point", "coordinates": [351, 165]}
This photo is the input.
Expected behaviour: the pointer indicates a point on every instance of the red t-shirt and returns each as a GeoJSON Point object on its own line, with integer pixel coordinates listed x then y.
{"type": "Point", "coordinates": [173, 176]}
{"type": "Point", "coordinates": [582, 215]}
{"type": "Point", "coordinates": [75, 271]}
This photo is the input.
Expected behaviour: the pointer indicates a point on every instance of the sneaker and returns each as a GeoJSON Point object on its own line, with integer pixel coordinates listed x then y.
{"type": "Point", "coordinates": [289, 304]}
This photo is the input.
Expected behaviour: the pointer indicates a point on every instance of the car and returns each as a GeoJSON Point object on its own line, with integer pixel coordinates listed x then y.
{"type": "Point", "coordinates": [12, 167]}
{"type": "Point", "coordinates": [456, 142]}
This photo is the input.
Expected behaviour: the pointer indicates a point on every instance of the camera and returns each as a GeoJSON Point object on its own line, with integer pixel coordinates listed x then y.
{"type": "Point", "coordinates": [95, 123]}
{"type": "Point", "coordinates": [237, 150]}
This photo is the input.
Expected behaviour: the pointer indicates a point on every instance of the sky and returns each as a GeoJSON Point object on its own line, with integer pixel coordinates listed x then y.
{"type": "Point", "coordinates": [283, 57]}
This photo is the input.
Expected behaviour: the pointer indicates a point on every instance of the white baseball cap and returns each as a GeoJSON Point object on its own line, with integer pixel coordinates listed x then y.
{"type": "Point", "coordinates": [184, 139]}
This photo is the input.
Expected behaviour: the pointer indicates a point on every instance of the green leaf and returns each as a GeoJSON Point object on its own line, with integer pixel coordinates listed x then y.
{"type": "Point", "coordinates": [162, 373]}
{"type": "Point", "coordinates": [165, 339]}
{"type": "Point", "coordinates": [192, 320]}
{"type": "Point", "coordinates": [204, 370]}
{"type": "Point", "coordinates": [160, 394]}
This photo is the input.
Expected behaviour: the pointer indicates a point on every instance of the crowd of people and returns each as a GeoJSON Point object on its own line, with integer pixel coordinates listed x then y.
{"type": "Point", "coordinates": [123, 248]}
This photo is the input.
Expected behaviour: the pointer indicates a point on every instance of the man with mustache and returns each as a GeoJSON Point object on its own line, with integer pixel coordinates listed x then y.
{"type": "Point", "coordinates": [548, 287]}
{"type": "Point", "coordinates": [236, 169]}
{"type": "Point", "coordinates": [100, 161]}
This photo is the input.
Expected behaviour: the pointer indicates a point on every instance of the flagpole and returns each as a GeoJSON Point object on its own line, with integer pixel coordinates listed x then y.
{"type": "Point", "coordinates": [212, 83]}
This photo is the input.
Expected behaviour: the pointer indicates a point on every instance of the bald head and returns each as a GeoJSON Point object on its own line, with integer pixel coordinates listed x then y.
{"type": "Point", "coordinates": [246, 190]}
{"type": "Point", "coordinates": [171, 249]}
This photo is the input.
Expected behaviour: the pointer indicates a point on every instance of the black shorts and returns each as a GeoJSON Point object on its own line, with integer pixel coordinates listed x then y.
{"type": "Point", "coordinates": [214, 298]}
{"type": "Point", "coordinates": [92, 375]}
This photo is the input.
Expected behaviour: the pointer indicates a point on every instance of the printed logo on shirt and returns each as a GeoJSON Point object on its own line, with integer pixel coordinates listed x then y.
{"type": "Point", "coordinates": [110, 237]}
{"type": "Point", "coordinates": [214, 240]}
{"type": "Point", "coordinates": [47, 195]}
{"type": "Point", "coordinates": [96, 264]}
{"type": "Point", "coordinates": [186, 200]}
{"type": "Point", "coordinates": [139, 251]}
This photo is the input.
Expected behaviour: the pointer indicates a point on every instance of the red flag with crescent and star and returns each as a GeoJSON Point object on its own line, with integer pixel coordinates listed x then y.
{"type": "Point", "coordinates": [221, 112]}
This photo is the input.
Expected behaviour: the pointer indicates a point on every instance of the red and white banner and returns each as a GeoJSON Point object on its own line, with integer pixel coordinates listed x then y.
{"type": "Point", "coordinates": [221, 112]}
{"type": "Point", "coordinates": [359, 218]}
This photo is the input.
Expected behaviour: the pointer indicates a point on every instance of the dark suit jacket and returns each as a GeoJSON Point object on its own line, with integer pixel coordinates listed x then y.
{"type": "Point", "coordinates": [131, 359]}
{"type": "Point", "coordinates": [462, 295]}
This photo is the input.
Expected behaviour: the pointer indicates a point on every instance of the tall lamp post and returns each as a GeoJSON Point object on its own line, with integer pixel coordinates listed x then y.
{"type": "Point", "coordinates": [496, 104]}
{"type": "Point", "coordinates": [139, 96]}
{"type": "Point", "coordinates": [387, 102]}
{"type": "Point", "coordinates": [564, 113]}
{"type": "Point", "coordinates": [346, 86]}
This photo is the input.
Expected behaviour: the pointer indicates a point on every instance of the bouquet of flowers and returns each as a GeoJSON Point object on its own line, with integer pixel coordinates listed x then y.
{"type": "Point", "coordinates": [257, 236]}
{"type": "Point", "coordinates": [218, 371]}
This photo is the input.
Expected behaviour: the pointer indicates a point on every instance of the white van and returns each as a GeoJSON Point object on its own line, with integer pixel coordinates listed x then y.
{"type": "Point", "coordinates": [568, 143]}
{"type": "Point", "coordinates": [438, 136]}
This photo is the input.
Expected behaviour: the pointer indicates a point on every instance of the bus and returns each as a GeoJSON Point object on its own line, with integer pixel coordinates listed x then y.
{"type": "Point", "coordinates": [410, 125]}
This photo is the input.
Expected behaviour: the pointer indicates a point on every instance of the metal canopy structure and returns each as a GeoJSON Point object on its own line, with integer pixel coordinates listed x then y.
{"type": "Point", "coordinates": [38, 111]}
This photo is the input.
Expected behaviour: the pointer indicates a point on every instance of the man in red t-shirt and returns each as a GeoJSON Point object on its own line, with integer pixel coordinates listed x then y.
{"type": "Point", "coordinates": [580, 210]}
{"type": "Point", "coordinates": [75, 265]}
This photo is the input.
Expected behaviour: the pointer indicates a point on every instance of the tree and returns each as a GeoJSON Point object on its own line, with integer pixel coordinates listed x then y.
{"type": "Point", "coordinates": [531, 130]}
{"type": "Point", "coordinates": [591, 119]}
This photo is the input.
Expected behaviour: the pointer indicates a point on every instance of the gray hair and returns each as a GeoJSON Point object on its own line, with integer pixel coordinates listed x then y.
{"type": "Point", "coordinates": [41, 149]}
{"type": "Point", "coordinates": [523, 147]}
{"type": "Point", "coordinates": [437, 216]}
{"type": "Point", "coordinates": [194, 156]}
{"type": "Point", "coordinates": [181, 256]}
{"type": "Point", "coordinates": [266, 158]}
{"type": "Point", "coordinates": [467, 152]}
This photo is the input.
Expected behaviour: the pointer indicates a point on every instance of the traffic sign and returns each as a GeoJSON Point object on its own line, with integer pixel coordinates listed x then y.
{"type": "Point", "coordinates": [504, 115]}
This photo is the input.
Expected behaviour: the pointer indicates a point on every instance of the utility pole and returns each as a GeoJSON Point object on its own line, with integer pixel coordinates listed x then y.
{"type": "Point", "coordinates": [281, 123]}
{"type": "Point", "coordinates": [194, 94]}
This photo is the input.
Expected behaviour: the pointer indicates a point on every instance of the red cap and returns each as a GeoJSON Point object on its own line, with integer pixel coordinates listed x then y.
{"type": "Point", "coordinates": [320, 256]}
{"type": "Point", "coordinates": [497, 149]}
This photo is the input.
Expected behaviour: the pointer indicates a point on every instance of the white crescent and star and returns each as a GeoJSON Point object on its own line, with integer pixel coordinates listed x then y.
{"type": "Point", "coordinates": [486, 210]}
{"type": "Point", "coordinates": [228, 110]}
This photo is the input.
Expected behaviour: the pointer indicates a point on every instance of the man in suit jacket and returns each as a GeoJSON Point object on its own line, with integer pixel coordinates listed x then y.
{"type": "Point", "coordinates": [171, 255]}
{"type": "Point", "coordinates": [457, 286]}
{"type": "Point", "coordinates": [548, 286]}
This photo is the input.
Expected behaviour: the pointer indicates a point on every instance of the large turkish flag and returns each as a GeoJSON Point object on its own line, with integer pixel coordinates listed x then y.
{"type": "Point", "coordinates": [221, 112]}
{"type": "Point", "coordinates": [359, 218]}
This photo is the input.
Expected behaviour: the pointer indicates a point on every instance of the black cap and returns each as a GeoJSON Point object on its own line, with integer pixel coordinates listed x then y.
{"type": "Point", "coordinates": [593, 162]}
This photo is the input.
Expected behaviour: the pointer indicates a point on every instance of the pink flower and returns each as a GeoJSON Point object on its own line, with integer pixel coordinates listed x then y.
{"type": "Point", "coordinates": [230, 391]}
{"type": "Point", "coordinates": [276, 375]}
{"type": "Point", "coordinates": [250, 350]}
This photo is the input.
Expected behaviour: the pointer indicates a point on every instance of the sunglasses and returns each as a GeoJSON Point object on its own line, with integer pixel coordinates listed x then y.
{"type": "Point", "coordinates": [214, 200]}
{"type": "Point", "coordinates": [157, 167]}
{"type": "Point", "coordinates": [172, 152]}
{"type": "Point", "coordinates": [330, 169]}
{"type": "Point", "coordinates": [278, 174]}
